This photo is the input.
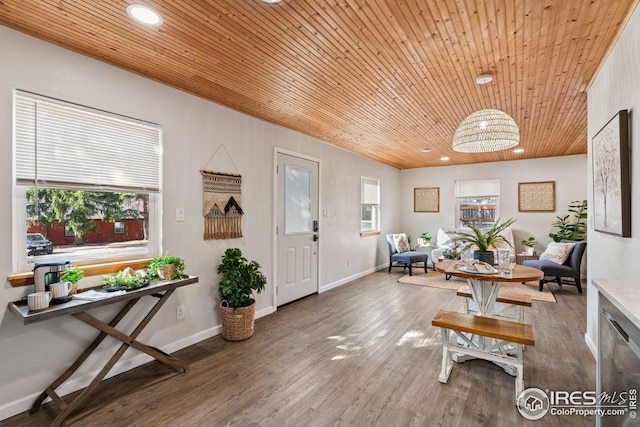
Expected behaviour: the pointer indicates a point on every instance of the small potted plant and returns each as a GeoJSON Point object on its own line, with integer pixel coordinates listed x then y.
{"type": "Point", "coordinates": [165, 267]}
{"type": "Point", "coordinates": [483, 241]}
{"type": "Point", "coordinates": [529, 244]}
{"type": "Point", "coordinates": [240, 278]}
{"type": "Point", "coordinates": [72, 275]}
{"type": "Point", "coordinates": [426, 236]}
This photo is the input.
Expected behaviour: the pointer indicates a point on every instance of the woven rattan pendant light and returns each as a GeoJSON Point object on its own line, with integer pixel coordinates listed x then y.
{"type": "Point", "coordinates": [486, 130]}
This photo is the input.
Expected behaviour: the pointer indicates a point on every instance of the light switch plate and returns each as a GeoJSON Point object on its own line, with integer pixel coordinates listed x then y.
{"type": "Point", "coordinates": [179, 214]}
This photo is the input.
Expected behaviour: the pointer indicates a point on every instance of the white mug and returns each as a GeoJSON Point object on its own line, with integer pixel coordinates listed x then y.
{"type": "Point", "coordinates": [60, 289]}
{"type": "Point", "coordinates": [39, 300]}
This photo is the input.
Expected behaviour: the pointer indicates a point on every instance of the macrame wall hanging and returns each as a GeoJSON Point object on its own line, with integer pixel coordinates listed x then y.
{"type": "Point", "coordinates": [221, 205]}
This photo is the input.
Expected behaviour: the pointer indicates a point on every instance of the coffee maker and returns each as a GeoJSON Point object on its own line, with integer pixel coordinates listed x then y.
{"type": "Point", "coordinates": [49, 272]}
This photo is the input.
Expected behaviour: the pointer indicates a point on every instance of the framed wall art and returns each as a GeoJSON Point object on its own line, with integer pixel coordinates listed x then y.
{"type": "Point", "coordinates": [537, 196]}
{"type": "Point", "coordinates": [426, 199]}
{"type": "Point", "coordinates": [611, 182]}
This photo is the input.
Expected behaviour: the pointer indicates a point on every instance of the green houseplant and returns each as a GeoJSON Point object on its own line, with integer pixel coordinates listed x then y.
{"type": "Point", "coordinates": [165, 267]}
{"type": "Point", "coordinates": [73, 275]}
{"type": "Point", "coordinates": [571, 227]}
{"type": "Point", "coordinates": [483, 240]}
{"type": "Point", "coordinates": [529, 243]}
{"type": "Point", "coordinates": [240, 278]}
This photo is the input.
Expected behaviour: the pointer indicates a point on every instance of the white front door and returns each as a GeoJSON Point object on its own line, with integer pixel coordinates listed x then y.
{"type": "Point", "coordinates": [297, 228]}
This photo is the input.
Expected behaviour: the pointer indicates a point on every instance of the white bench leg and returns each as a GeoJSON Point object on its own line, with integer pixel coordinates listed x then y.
{"type": "Point", "coordinates": [446, 358]}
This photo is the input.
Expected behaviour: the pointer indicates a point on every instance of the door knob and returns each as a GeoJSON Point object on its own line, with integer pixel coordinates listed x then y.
{"type": "Point", "coordinates": [315, 237]}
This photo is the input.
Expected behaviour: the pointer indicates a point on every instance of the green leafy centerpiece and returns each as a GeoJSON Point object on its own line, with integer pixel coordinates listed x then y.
{"type": "Point", "coordinates": [125, 280]}
{"type": "Point", "coordinates": [483, 241]}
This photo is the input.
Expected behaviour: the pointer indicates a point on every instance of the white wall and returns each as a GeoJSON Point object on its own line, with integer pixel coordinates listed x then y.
{"type": "Point", "coordinates": [569, 173]}
{"type": "Point", "coordinates": [33, 356]}
{"type": "Point", "coordinates": [615, 88]}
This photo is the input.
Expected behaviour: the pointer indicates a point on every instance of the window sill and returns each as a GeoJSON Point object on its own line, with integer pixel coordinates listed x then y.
{"type": "Point", "coordinates": [369, 233]}
{"type": "Point", "coordinates": [25, 279]}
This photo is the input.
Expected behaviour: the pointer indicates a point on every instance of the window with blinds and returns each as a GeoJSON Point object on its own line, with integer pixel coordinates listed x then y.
{"type": "Point", "coordinates": [370, 204]}
{"type": "Point", "coordinates": [477, 202]}
{"type": "Point", "coordinates": [80, 174]}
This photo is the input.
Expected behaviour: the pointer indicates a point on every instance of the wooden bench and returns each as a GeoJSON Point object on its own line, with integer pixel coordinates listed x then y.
{"type": "Point", "coordinates": [493, 336]}
{"type": "Point", "coordinates": [507, 299]}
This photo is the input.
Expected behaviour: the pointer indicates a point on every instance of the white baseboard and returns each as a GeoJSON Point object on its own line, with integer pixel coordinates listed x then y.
{"type": "Point", "coordinates": [136, 359]}
{"type": "Point", "coordinates": [591, 345]}
{"type": "Point", "coordinates": [341, 282]}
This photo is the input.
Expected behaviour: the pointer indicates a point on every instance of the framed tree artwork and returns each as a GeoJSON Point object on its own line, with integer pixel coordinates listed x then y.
{"type": "Point", "coordinates": [611, 181]}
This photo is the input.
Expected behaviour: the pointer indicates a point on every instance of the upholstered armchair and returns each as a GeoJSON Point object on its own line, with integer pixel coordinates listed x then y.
{"type": "Point", "coordinates": [401, 254]}
{"type": "Point", "coordinates": [552, 268]}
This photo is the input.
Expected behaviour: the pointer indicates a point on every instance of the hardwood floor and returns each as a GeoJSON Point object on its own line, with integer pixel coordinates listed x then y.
{"type": "Point", "coordinates": [361, 354]}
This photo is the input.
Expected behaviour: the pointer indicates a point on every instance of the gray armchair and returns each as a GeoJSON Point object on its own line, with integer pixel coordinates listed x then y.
{"type": "Point", "coordinates": [570, 268]}
{"type": "Point", "coordinates": [404, 259]}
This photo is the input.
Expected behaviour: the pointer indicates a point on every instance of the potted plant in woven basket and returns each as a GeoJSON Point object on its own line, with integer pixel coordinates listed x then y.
{"type": "Point", "coordinates": [240, 278]}
{"type": "Point", "coordinates": [165, 267]}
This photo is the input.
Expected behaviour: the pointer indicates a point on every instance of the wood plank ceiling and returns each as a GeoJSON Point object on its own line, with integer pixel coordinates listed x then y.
{"type": "Point", "coordinates": [381, 78]}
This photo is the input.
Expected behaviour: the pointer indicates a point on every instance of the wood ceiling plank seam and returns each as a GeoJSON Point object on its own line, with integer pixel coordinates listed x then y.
{"type": "Point", "coordinates": [461, 20]}
{"type": "Point", "coordinates": [606, 35]}
{"type": "Point", "coordinates": [543, 72]}
{"type": "Point", "coordinates": [404, 96]}
{"type": "Point", "coordinates": [437, 43]}
{"type": "Point", "coordinates": [551, 18]}
{"type": "Point", "coordinates": [253, 112]}
{"type": "Point", "coordinates": [632, 5]}
{"type": "Point", "coordinates": [571, 113]}
{"type": "Point", "coordinates": [415, 54]}
{"type": "Point", "coordinates": [382, 110]}
{"type": "Point", "coordinates": [448, 120]}
{"type": "Point", "coordinates": [347, 110]}
{"type": "Point", "coordinates": [292, 66]}
{"type": "Point", "coordinates": [515, 68]}
{"type": "Point", "coordinates": [462, 90]}
{"type": "Point", "coordinates": [537, 35]}
{"type": "Point", "coordinates": [408, 109]}
{"type": "Point", "coordinates": [404, 31]}
{"type": "Point", "coordinates": [567, 109]}
{"type": "Point", "coordinates": [524, 30]}
{"type": "Point", "coordinates": [486, 48]}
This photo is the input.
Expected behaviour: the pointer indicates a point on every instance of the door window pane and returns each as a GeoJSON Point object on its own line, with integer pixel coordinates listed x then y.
{"type": "Point", "coordinates": [297, 200]}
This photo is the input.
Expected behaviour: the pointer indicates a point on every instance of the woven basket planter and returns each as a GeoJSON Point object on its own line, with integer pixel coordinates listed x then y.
{"type": "Point", "coordinates": [167, 272]}
{"type": "Point", "coordinates": [237, 323]}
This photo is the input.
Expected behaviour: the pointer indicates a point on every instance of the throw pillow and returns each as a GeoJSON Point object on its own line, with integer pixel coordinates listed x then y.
{"type": "Point", "coordinates": [557, 252]}
{"type": "Point", "coordinates": [443, 240]}
{"type": "Point", "coordinates": [401, 242]}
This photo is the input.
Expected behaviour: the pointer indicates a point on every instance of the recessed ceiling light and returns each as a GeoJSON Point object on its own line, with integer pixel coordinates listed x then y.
{"type": "Point", "coordinates": [484, 79]}
{"type": "Point", "coordinates": [444, 159]}
{"type": "Point", "coordinates": [519, 150]}
{"type": "Point", "coordinates": [427, 150]}
{"type": "Point", "coordinates": [144, 14]}
{"type": "Point", "coordinates": [271, 1]}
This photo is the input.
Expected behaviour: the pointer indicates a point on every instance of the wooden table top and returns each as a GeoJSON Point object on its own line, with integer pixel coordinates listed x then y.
{"type": "Point", "coordinates": [21, 309]}
{"type": "Point", "coordinates": [521, 273]}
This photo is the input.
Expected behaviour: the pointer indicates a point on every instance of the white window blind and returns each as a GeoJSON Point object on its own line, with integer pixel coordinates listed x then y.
{"type": "Point", "coordinates": [477, 188]}
{"type": "Point", "coordinates": [370, 193]}
{"type": "Point", "coordinates": [64, 145]}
